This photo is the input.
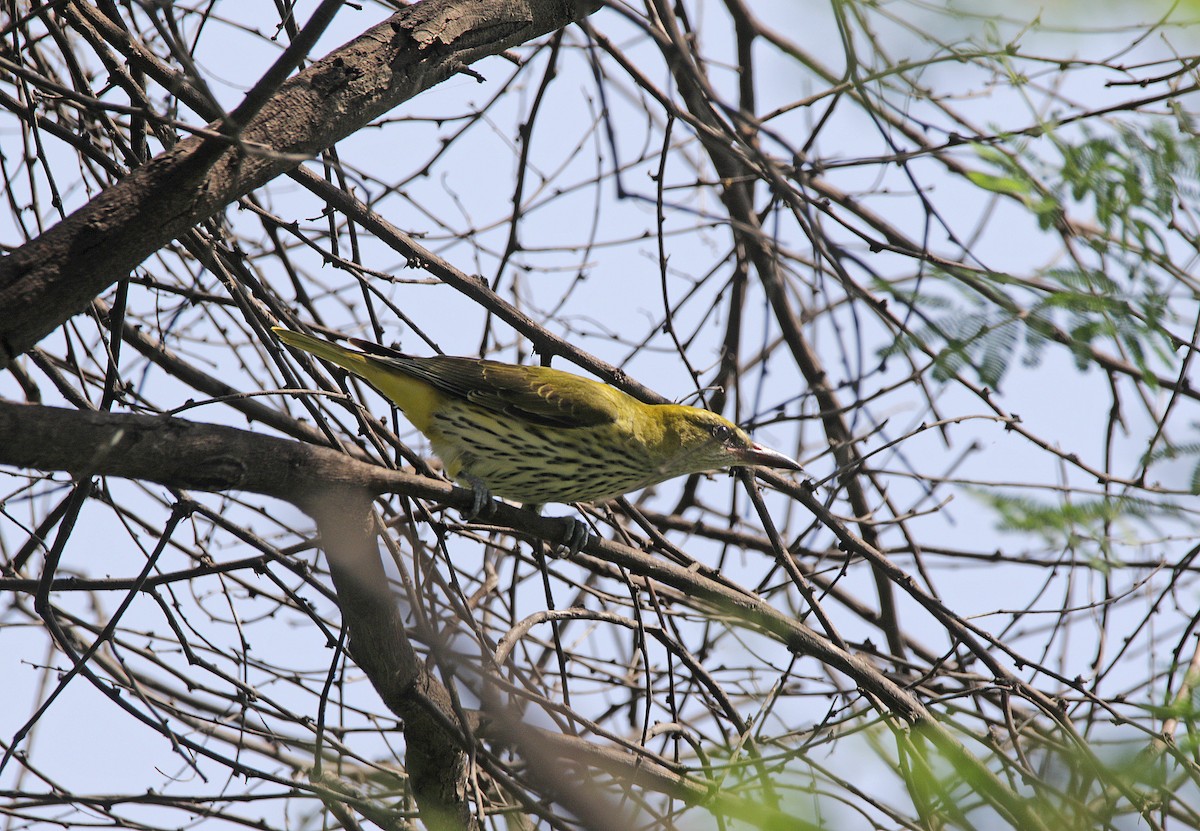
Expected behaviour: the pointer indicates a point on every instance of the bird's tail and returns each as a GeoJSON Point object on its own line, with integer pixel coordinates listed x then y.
{"type": "Point", "coordinates": [347, 359]}
{"type": "Point", "coordinates": [416, 397]}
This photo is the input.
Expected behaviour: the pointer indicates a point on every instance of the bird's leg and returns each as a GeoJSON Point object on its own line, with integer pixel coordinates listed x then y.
{"type": "Point", "coordinates": [574, 538]}
{"type": "Point", "coordinates": [481, 500]}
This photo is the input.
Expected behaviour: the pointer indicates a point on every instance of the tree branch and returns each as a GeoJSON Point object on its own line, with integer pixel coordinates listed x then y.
{"type": "Point", "coordinates": [57, 274]}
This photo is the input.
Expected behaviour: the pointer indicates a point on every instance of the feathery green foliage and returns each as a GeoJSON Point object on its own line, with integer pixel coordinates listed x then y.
{"type": "Point", "coordinates": [1133, 182]}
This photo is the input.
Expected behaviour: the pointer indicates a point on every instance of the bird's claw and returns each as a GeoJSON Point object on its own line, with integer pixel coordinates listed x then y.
{"type": "Point", "coordinates": [481, 503]}
{"type": "Point", "coordinates": [574, 538]}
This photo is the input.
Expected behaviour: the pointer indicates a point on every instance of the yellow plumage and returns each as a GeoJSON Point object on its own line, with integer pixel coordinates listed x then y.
{"type": "Point", "coordinates": [536, 435]}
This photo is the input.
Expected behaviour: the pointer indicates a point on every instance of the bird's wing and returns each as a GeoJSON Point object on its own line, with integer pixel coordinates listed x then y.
{"type": "Point", "coordinates": [539, 394]}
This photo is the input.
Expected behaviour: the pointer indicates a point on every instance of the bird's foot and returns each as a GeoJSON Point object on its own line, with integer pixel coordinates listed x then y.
{"type": "Point", "coordinates": [574, 538]}
{"type": "Point", "coordinates": [481, 501]}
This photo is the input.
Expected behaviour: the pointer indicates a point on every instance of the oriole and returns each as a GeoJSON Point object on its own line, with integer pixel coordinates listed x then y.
{"type": "Point", "coordinates": [536, 435]}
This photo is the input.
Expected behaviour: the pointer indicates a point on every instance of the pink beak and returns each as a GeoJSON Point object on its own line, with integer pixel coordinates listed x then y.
{"type": "Point", "coordinates": [756, 454]}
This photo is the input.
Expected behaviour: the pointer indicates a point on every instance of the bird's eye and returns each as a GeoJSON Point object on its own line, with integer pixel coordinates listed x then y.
{"type": "Point", "coordinates": [721, 433]}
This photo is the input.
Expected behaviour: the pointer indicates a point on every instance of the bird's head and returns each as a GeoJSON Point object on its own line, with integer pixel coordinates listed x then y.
{"type": "Point", "coordinates": [699, 440]}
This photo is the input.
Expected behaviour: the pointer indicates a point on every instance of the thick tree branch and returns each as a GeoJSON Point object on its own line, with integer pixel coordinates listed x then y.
{"type": "Point", "coordinates": [57, 274]}
{"type": "Point", "coordinates": [434, 738]}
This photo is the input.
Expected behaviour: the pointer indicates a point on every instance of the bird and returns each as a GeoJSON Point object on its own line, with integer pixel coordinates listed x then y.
{"type": "Point", "coordinates": [536, 435]}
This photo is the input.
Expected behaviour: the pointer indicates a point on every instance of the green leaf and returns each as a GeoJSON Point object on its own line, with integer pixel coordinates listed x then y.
{"type": "Point", "coordinates": [1000, 184]}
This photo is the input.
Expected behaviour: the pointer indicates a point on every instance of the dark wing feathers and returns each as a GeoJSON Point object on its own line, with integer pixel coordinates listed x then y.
{"type": "Point", "coordinates": [542, 395]}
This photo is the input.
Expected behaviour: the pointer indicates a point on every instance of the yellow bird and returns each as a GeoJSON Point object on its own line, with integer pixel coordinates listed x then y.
{"type": "Point", "coordinates": [536, 435]}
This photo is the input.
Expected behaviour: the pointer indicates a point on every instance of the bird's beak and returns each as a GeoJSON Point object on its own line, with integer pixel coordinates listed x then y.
{"type": "Point", "coordinates": [756, 454]}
